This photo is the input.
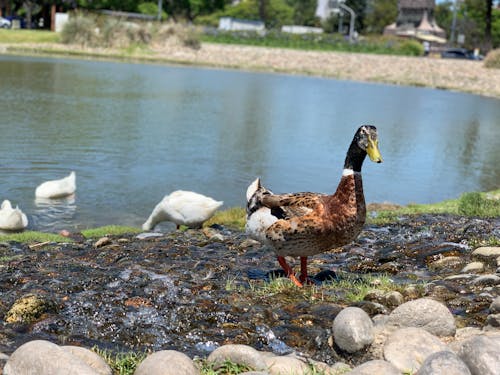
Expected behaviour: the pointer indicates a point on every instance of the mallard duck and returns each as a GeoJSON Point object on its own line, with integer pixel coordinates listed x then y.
{"type": "Point", "coordinates": [305, 224]}
{"type": "Point", "coordinates": [57, 188]}
{"type": "Point", "coordinates": [183, 208]}
{"type": "Point", "coordinates": [12, 218]}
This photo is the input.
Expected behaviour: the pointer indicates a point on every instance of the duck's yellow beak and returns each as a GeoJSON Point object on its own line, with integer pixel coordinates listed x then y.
{"type": "Point", "coordinates": [373, 151]}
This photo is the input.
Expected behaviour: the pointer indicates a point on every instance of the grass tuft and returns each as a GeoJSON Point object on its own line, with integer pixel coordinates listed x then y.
{"type": "Point", "coordinates": [109, 230]}
{"type": "Point", "coordinates": [32, 237]}
{"type": "Point", "coordinates": [121, 363]}
{"type": "Point", "coordinates": [227, 368]}
{"type": "Point", "coordinates": [234, 217]}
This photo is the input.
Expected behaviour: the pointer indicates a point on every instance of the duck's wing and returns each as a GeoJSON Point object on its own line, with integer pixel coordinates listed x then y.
{"type": "Point", "coordinates": [287, 206]}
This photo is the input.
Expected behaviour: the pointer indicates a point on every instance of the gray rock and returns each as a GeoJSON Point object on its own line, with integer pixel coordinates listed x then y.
{"type": "Point", "coordinates": [443, 363]}
{"type": "Point", "coordinates": [491, 252]}
{"type": "Point", "coordinates": [394, 299]}
{"type": "Point", "coordinates": [447, 262]}
{"type": "Point", "coordinates": [284, 365]}
{"type": "Point", "coordinates": [493, 320]}
{"type": "Point", "coordinates": [45, 358]}
{"type": "Point", "coordinates": [352, 329]}
{"type": "Point", "coordinates": [424, 313]}
{"type": "Point", "coordinates": [167, 362]}
{"type": "Point", "coordinates": [486, 280]}
{"type": "Point", "coordinates": [481, 354]}
{"type": "Point", "coordinates": [145, 236]}
{"type": "Point", "coordinates": [375, 367]}
{"type": "Point", "coordinates": [90, 358]}
{"type": "Point", "coordinates": [240, 354]}
{"type": "Point", "coordinates": [495, 305]}
{"type": "Point", "coordinates": [474, 267]}
{"type": "Point", "coordinates": [408, 348]}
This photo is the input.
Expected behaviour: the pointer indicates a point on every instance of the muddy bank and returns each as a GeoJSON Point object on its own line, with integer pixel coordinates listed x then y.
{"type": "Point", "coordinates": [196, 290]}
{"type": "Point", "coordinates": [450, 74]}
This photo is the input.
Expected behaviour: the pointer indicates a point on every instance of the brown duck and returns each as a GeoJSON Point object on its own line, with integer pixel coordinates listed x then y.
{"type": "Point", "coordinates": [304, 224]}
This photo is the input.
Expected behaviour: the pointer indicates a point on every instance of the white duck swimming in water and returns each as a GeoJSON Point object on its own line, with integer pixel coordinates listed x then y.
{"type": "Point", "coordinates": [183, 208]}
{"type": "Point", "coordinates": [57, 188]}
{"type": "Point", "coordinates": [304, 224]}
{"type": "Point", "coordinates": [12, 218]}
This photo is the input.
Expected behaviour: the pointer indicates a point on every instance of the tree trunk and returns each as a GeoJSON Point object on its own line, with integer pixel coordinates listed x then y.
{"type": "Point", "coordinates": [487, 31]}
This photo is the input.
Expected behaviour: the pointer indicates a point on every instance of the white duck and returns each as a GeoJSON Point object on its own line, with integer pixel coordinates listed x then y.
{"type": "Point", "coordinates": [12, 218]}
{"type": "Point", "coordinates": [183, 208]}
{"type": "Point", "coordinates": [57, 188]}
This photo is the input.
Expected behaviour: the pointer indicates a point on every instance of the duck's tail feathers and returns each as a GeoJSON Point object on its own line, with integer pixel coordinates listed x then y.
{"type": "Point", "coordinates": [254, 186]}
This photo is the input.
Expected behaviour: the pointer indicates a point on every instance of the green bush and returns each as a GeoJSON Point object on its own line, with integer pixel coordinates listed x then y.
{"type": "Point", "coordinates": [493, 59]}
{"type": "Point", "coordinates": [80, 30]}
{"type": "Point", "coordinates": [476, 204]}
{"type": "Point", "coordinates": [411, 48]}
{"type": "Point", "coordinates": [151, 9]}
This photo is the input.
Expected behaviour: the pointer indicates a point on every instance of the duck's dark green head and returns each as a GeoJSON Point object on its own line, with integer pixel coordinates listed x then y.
{"type": "Point", "coordinates": [367, 139]}
{"type": "Point", "coordinates": [365, 142]}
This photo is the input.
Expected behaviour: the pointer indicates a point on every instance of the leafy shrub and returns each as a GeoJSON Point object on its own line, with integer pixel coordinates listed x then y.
{"type": "Point", "coordinates": [411, 48]}
{"type": "Point", "coordinates": [476, 204]}
{"type": "Point", "coordinates": [493, 59]}
{"type": "Point", "coordinates": [151, 9]}
{"type": "Point", "coordinates": [80, 30]}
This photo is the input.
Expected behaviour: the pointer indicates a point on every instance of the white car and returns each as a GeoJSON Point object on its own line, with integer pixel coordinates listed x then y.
{"type": "Point", "coordinates": [5, 23]}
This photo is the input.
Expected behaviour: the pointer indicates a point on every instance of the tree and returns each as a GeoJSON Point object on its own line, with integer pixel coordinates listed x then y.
{"type": "Point", "coordinates": [379, 14]}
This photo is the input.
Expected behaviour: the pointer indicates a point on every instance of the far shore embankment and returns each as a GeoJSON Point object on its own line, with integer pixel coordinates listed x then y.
{"type": "Point", "coordinates": [433, 72]}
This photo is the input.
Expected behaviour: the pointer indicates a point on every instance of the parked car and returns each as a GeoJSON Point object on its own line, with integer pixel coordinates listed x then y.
{"type": "Point", "coordinates": [5, 23]}
{"type": "Point", "coordinates": [460, 53]}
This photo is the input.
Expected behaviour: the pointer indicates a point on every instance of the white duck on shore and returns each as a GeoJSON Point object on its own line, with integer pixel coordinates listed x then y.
{"type": "Point", "coordinates": [57, 188]}
{"type": "Point", "coordinates": [12, 218]}
{"type": "Point", "coordinates": [183, 208]}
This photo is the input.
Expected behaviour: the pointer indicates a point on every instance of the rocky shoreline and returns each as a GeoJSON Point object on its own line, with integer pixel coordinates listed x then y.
{"type": "Point", "coordinates": [170, 295]}
{"type": "Point", "coordinates": [449, 74]}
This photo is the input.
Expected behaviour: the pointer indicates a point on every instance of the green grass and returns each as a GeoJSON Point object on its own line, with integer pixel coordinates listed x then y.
{"type": "Point", "coordinates": [468, 204]}
{"type": "Point", "coordinates": [109, 230]}
{"type": "Point", "coordinates": [121, 363]}
{"type": "Point", "coordinates": [319, 42]}
{"type": "Point", "coordinates": [28, 36]}
{"type": "Point", "coordinates": [227, 368]}
{"type": "Point", "coordinates": [234, 217]}
{"type": "Point", "coordinates": [32, 236]}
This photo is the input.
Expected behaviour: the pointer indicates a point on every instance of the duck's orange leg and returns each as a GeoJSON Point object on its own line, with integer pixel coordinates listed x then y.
{"type": "Point", "coordinates": [303, 269]}
{"type": "Point", "coordinates": [289, 271]}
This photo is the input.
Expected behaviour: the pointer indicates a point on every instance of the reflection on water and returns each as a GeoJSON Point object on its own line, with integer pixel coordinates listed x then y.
{"type": "Point", "coordinates": [133, 133]}
{"type": "Point", "coordinates": [50, 213]}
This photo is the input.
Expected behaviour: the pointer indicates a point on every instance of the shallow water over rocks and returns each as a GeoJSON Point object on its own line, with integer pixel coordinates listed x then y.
{"type": "Point", "coordinates": [193, 291]}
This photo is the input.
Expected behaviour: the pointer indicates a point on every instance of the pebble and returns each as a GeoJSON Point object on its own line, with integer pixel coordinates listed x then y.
{"type": "Point", "coordinates": [486, 280]}
{"type": "Point", "coordinates": [473, 267]}
{"type": "Point", "coordinates": [488, 253]}
{"type": "Point", "coordinates": [352, 329]}
{"type": "Point", "coordinates": [495, 305]}
{"type": "Point", "coordinates": [424, 313]}
{"type": "Point", "coordinates": [278, 365]}
{"type": "Point", "coordinates": [102, 242]}
{"type": "Point", "coordinates": [407, 348]}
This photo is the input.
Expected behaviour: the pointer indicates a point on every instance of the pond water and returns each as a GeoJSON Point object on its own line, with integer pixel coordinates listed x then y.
{"type": "Point", "coordinates": [135, 132]}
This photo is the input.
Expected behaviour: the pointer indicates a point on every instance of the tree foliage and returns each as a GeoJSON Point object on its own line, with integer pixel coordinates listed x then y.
{"type": "Point", "coordinates": [379, 14]}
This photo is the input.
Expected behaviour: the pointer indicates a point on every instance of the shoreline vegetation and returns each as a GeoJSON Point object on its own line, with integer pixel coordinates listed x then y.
{"type": "Point", "coordinates": [472, 204]}
{"type": "Point", "coordinates": [184, 46]}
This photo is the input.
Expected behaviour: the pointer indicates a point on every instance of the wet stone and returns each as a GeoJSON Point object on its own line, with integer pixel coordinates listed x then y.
{"type": "Point", "coordinates": [495, 305]}
{"type": "Point", "coordinates": [473, 267]}
{"type": "Point", "coordinates": [486, 280]}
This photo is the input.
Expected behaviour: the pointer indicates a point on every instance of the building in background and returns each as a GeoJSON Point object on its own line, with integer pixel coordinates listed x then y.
{"type": "Point", "coordinates": [416, 18]}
